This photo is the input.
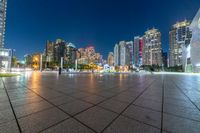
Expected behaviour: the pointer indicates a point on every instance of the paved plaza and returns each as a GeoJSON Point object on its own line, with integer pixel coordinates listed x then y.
{"type": "Point", "coordinates": [108, 103]}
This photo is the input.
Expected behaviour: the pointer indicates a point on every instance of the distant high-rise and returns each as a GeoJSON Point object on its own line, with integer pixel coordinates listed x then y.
{"type": "Point", "coordinates": [123, 53]}
{"type": "Point", "coordinates": [88, 55]}
{"type": "Point", "coordinates": [179, 37]}
{"type": "Point", "coordinates": [50, 51]}
{"type": "Point", "coordinates": [110, 59]}
{"type": "Point", "coordinates": [152, 48]}
{"type": "Point", "coordinates": [3, 6]}
{"type": "Point", "coordinates": [138, 46]}
{"type": "Point", "coordinates": [116, 55]}
{"type": "Point", "coordinates": [60, 48]}
{"type": "Point", "coordinates": [130, 52]}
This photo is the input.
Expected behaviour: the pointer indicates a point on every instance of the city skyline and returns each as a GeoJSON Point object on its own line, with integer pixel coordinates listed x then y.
{"type": "Point", "coordinates": [28, 31]}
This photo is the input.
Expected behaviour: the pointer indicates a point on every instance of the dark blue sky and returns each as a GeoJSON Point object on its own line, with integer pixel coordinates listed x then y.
{"type": "Point", "coordinates": [101, 23]}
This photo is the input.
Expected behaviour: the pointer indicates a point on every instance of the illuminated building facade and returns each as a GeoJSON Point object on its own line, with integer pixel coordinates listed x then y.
{"type": "Point", "coordinates": [130, 52]}
{"type": "Point", "coordinates": [152, 48]}
{"type": "Point", "coordinates": [123, 54]}
{"type": "Point", "coordinates": [116, 55]}
{"type": "Point", "coordinates": [179, 38]}
{"type": "Point", "coordinates": [5, 54]}
{"type": "Point", "coordinates": [3, 7]}
{"type": "Point", "coordinates": [110, 59]}
{"type": "Point", "coordinates": [70, 53]}
{"type": "Point", "coordinates": [138, 48]}
{"type": "Point", "coordinates": [56, 50]}
{"type": "Point", "coordinates": [50, 51]}
{"type": "Point", "coordinates": [88, 55]}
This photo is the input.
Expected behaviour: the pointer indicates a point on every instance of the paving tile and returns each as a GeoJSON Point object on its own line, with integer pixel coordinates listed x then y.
{"type": "Point", "coordinates": [61, 100]}
{"type": "Point", "coordinates": [20, 96]}
{"type": "Point", "coordinates": [148, 104]}
{"type": "Point", "coordinates": [180, 125]}
{"type": "Point", "coordinates": [50, 94]}
{"type": "Point", "coordinates": [41, 120]}
{"type": "Point", "coordinates": [75, 107]}
{"type": "Point", "coordinates": [156, 98]}
{"type": "Point", "coordinates": [130, 93]}
{"type": "Point", "coordinates": [3, 98]}
{"type": "Point", "coordinates": [96, 118]}
{"type": "Point", "coordinates": [80, 94]}
{"type": "Point", "coordinates": [113, 105]}
{"type": "Point", "coordinates": [25, 101]}
{"type": "Point", "coordinates": [9, 127]}
{"type": "Point", "coordinates": [69, 126]}
{"type": "Point", "coordinates": [31, 108]}
{"type": "Point", "coordinates": [144, 115]}
{"type": "Point", "coordinates": [190, 113]}
{"type": "Point", "coordinates": [121, 89]}
{"type": "Point", "coordinates": [124, 98]}
{"type": "Point", "coordinates": [105, 94]}
{"type": "Point", "coordinates": [94, 99]}
{"type": "Point", "coordinates": [6, 115]}
{"type": "Point", "coordinates": [4, 105]}
{"type": "Point", "coordinates": [125, 125]}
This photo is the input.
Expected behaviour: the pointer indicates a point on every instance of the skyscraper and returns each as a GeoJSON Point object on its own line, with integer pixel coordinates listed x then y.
{"type": "Point", "coordinates": [110, 59]}
{"type": "Point", "coordinates": [49, 51]}
{"type": "Point", "coordinates": [116, 55]}
{"type": "Point", "coordinates": [3, 6]}
{"type": "Point", "coordinates": [88, 55]}
{"type": "Point", "coordinates": [123, 54]}
{"type": "Point", "coordinates": [58, 49]}
{"type": "Point", "coordinates": [5, 54]}
{"type": "Point", "coordinates": [70, 53]}
{"type": "Point", "coordinates": [179, 38]}
{"type": "Point", "coordinates": [152, 48]}
{"type": "Point", "coordinates": [130, 52]}
{"type": "Point", "coordinates": [138, 46]}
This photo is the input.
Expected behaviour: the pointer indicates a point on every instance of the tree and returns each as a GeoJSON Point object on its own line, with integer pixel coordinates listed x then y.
{"type": "Point", "coordinates": [14, 61]}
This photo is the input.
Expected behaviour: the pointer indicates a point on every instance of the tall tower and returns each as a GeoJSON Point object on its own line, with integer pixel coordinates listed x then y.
{"type": "Point", "coordinates": [116, 55]}
{"type": "Point", "coordinates": [179, 37]}
{"type": "Point", "coordinates": [138, 49]}
{"type": "Point", "coordinates": [152, 50]}
{"type": "Point", "coordinates": [3, 6]}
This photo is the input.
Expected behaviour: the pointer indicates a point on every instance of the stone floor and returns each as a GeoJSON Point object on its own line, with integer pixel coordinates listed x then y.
{"type": "Point", "coordinates": [110, 103]}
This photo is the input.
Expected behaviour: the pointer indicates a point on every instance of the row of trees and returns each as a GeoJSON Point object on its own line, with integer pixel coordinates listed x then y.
{"type": "Point", "coordinates": [156, 68]}
{"type": "Point", "coordinates": [72, 66]}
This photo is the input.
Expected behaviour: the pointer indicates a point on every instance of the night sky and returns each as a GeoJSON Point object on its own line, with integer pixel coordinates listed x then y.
{"type": "Point", "coordinates": [101, 23]}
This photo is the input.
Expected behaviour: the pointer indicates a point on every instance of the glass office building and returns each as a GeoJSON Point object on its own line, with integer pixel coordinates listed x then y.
{"type": "Point", "coordinates": [3, 6]}
{"type": "Point", "coordinates": [5, 54]}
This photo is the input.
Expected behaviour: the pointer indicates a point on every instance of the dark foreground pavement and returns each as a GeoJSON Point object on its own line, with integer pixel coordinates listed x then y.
{"type": "Point", "coordinates": [111, 103]}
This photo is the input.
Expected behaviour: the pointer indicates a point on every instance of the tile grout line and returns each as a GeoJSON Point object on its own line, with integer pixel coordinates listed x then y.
{"type": "Point", "coordinates": [12, 107]}
{"type": "Point", "coordinates": [73, 116]}
{"type": "Point", "coordinates": [163, 89]}
{"type": "Point", "coordinates": [60, 110]}
{"type": "Point", "coordinates": [186, 95]}
{"type": "Point", "coordinates": [130, 117]}
{"type": "Point", "coordinates": [166, 113]}
{"type": "Point", "coordinates": [127, 107]}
